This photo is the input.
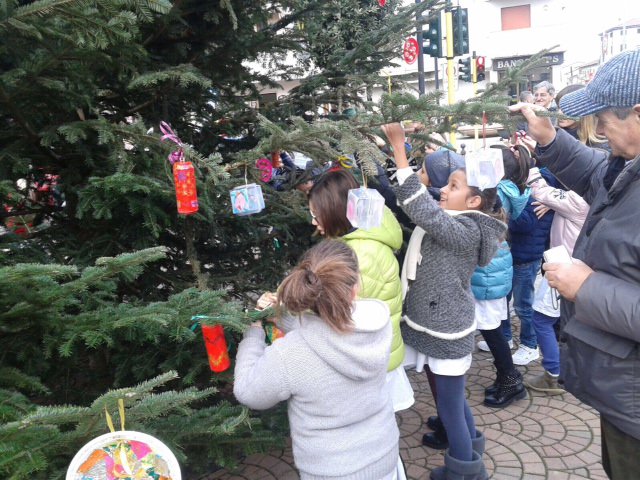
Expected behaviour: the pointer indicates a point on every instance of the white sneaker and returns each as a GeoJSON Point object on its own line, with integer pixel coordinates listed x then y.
{"type": "Point", "coordinates": [525, 355]}
{"type": "Point", "coordinates": [482, 345]}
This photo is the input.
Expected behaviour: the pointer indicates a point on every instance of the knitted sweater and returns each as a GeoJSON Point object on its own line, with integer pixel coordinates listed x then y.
{"type": "Point", "coordinates": [439, 309]}
{"type": "Point", "coordinates": [340, 412]}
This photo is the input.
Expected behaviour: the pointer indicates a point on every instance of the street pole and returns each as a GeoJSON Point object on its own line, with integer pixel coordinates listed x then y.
{"type": "Point", "coordinates": [421, 87]}
{"type": "Point", "coordinates": [474, 73]}
{"type": "Point", "coordinates": [450, 82]}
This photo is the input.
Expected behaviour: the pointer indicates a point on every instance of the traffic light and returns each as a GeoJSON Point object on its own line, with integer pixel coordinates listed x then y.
{"type": "Point", "coordinates": [464, 69]}
{"type": "Point", "coordinates": [480, 75]}
{"type": "Point", "coordinates": [434, 36]}
{"type": "Point", "coordinates": [460, 19]}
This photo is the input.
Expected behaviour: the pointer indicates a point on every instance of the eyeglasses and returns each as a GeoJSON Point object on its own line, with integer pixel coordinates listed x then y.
{"type": "Point", "coordinates": [313, 215]}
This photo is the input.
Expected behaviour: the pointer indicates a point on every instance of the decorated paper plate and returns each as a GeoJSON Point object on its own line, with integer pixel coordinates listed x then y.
{"type": "Point", "coordinates": [124, 455]}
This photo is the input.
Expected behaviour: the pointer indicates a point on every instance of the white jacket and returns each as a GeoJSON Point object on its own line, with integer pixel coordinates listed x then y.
{"type": "Point", "coordinates": [571, 210]}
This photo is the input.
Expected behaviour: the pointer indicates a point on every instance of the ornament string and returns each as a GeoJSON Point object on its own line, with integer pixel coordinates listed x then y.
{"type": "Point", "coordinates": [484, 129]}
{"type": "Point", "coordinates": [170, 135]}
{"type": "Point", "coordinates": [121, 448]}
{"type": "Point", "coordinates": [110, 420]}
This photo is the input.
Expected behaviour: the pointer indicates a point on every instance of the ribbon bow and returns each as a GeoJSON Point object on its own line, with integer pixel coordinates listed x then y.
{"type": "Point", "coordinates": [169, 134]}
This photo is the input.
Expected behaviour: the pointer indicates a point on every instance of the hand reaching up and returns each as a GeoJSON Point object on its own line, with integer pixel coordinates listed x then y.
{"type": "Point", "coordinates": [395, 135]}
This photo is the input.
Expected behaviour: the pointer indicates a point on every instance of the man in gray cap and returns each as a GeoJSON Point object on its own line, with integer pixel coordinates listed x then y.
{"type": "Point", "coordinates": [600, 317]}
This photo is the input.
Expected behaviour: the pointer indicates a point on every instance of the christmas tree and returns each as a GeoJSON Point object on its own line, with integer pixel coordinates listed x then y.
{"type": "Point", "coordinates": [99, 275]}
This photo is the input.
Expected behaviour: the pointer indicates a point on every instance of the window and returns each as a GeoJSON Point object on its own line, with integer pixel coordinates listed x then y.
{"type": "Point", "coordinates": [514, 18]}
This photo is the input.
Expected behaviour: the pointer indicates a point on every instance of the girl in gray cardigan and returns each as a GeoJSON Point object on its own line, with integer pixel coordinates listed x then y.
{"type": "Point", "coordinates": [459, 234]}
{"type": "Point", "coordinates": [331, 369]}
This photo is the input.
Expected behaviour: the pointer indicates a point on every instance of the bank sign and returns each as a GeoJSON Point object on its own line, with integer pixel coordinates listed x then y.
{"type": "Point", "coordinates": [548, 60]}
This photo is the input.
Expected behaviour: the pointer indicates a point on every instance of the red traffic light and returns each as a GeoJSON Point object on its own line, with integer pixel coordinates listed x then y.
{"type": "Point", "coordinates": [480, 75]}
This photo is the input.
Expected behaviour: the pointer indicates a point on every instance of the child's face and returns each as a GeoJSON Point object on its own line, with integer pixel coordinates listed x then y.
{"type": "Point", "coordinates": [424, 178]}
{"type": "Point", "coordinates": [315, 220]}
{"type": "Point", "coordinates": [456, 195]}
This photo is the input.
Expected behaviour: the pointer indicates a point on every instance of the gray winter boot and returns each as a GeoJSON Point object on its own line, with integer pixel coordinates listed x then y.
{"type": "Point", "coordinates": [478, 446]}
{"type": "Point", "coordinates": [455, 469]}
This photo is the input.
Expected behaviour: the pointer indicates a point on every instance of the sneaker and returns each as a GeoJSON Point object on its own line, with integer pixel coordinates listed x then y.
{"type": "Point", "coordinates": [482, 345]}
{"type": "Point", "coordinates": [545, 382]}
{"type": "Point", "coordinates": [525, 355]}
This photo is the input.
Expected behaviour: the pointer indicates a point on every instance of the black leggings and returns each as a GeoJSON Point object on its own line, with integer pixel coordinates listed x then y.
{"type": "Point", "coordinates": [499, 349]}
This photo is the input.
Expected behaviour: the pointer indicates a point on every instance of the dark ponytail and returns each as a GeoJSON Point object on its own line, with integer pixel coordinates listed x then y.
{"type": "Point", "coordinates": [323, 282]}
{"type": "Point", "coordinates": [517, 161]}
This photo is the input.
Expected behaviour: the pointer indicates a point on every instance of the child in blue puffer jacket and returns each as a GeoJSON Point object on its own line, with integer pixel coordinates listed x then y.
{"type": "Point", "coordinates": [490, 286]}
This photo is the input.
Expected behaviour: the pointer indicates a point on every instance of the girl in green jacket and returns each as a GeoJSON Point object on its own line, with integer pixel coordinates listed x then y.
{"type": "Point", "coordinates": [380, 272]}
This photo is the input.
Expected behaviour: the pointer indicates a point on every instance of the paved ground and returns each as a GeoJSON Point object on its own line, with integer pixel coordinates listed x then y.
{"type": "Point", "coordinates": [541, 437]}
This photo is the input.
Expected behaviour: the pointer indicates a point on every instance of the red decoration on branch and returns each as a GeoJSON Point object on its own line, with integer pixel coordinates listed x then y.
{"type": "Point", "coordinates": [266, 169]}
{"type": "Point", "coordinates": [216, 346]}
{"type": "Point", "coordinates": [382, 3]}
{"type": "Point", "coordinates": [276, 161]}
{"type": "Point", "coordinates": [410, 50]}
{"type": "Point", "coordinates": [184, 175]}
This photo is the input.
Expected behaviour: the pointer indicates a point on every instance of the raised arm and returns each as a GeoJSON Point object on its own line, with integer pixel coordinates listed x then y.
{"type": "Point", "coordinates": [418, 204]}
{"type": "Point", "coordinates": [576, 165]}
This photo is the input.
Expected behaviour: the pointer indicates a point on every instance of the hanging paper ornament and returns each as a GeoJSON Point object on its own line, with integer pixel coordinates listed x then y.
{"type": "Point", "coordinates": [266, 169]}
{"type": "Point", "coordinates": [124, 455]}
{"type": "Point", "coordinates": [485, 168]}
{"type": "Point", "coordinates": [216, 346]}
{"type": "Point", "coordinates": [184, 176]}
{"type": "Point", "coordinates": [272, 332]}
{"type": "Point", "coordinates": [247, 199]}
{"type": "Point", "coordinates": [365, 207]}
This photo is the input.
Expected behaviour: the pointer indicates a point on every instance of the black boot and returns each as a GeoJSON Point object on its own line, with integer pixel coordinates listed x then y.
{"type": "Point", "coordinates": [510, 388]}
{"type": "Point", "coordinates": [434, 423]}
{"type": "Point", "coordinates": [437, 439]}
{"type": "Point", "coordinates": [491, 390]}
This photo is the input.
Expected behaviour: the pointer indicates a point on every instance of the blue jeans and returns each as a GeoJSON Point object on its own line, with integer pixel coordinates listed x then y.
{"type": "Point", "coordinates": [543, 325]}
{"type": "Point", "coordinates": [524, 278]}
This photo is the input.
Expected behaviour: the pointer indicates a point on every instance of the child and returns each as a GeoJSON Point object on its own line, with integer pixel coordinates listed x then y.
{"type": "Point", "coordinates": [379, 270]}
{"type": "Point", "coordinates": [440, 313]}
{"type": "Point", "coordinates": [330, 368]}
{"type": "Point", "coordinates": [528, 239]}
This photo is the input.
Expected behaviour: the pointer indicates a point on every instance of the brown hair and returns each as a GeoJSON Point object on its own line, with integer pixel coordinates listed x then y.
{"type": "Point", "coordinates": [490, 203]}
{"type": "Point", "coordinates": [329, 196]}
{"type": "Point", "coordinates": [323, 282]}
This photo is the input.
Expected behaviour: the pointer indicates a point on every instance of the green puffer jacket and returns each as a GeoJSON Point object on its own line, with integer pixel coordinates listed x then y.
{"type": "Point", "coordinates": [379, 270]}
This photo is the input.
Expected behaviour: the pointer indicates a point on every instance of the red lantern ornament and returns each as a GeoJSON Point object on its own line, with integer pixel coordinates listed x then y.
{"type": "Point", "coordinates": [216, 346]}
{"type": "Point", "coordinates": [184, 175]}
{"type": "Point", "coordinates": [185, 184]}
{"type": "Point", "coordinates": [382, 3]}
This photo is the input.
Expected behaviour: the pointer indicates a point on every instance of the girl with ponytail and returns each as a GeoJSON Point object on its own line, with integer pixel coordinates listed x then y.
{"type": "Point", "coordinates": [330, 368]}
